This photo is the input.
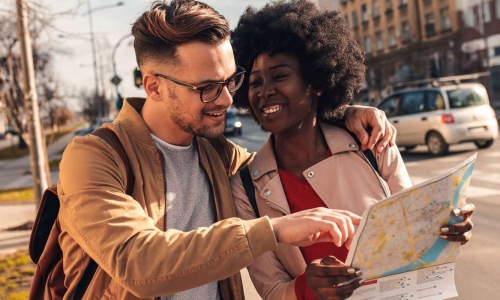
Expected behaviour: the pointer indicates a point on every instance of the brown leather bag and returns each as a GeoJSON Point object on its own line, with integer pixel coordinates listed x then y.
{"type": "Point", "coordinates": [44, 248]}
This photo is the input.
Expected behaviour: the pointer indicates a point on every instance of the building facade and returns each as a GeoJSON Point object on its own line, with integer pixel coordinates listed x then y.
{"type": "Point", "coordinates": [411, 40]}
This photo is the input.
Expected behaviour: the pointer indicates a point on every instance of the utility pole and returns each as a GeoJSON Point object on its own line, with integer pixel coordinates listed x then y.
{"type": "Point", "coordinates": [37, 153]}
{"type": "Point", "coordinates": [94, 62]}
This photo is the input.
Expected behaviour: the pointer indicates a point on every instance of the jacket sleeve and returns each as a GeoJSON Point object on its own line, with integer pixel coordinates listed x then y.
{"type": "Point", "coordinates": [116, 231]}
{"type": "Point", "coordinates": [269, 276]}
{"type": "Point", "coordinates": [393, 170]}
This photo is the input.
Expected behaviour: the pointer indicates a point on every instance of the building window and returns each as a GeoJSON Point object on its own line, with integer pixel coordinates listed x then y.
{"type": "Point", "coordinates": [405, 31]}
{"type": "Point", "coordinates": [376, 9]}
{"type": "Point", "coordinates": [486, 12]}
{"type": "Point", "coordinates": [354, 19]}
{"type": "Point", "coordinates": [497, 51]}
{"type": "Point", "coordinates": [403, 3]}
{"type": "Point", "coordinates": [497, 5]}
{"type": "Point", "coordinates": [392, 36]}
{"type": "Point", "coordinates": [469, 17]}
{"type": "Point", "coordinates": [368, 45]}
{"type": "Point", "coordinates": [445, 19]}
{"type": "Point", "coordinates": [364, 13]}
{"type": "Point", "coordinates": [388, 6]}
{"type": "Point", "coordinates": [430, 27]}
{"type": "Point", "coordinates": [450, 62]}
{"type": "Point", "coordinates": [379, 42]}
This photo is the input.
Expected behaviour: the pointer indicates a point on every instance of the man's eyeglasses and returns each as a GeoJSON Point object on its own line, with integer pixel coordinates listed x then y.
{"type": "Point", "coordinates": [211, 91]}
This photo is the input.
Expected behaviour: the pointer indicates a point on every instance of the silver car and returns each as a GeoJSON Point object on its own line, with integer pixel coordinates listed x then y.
{"type": "Point", "coordinates": [441, 116]}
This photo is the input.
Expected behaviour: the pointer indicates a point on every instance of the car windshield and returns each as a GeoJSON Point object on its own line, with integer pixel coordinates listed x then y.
{"type": "Point", "coordinates": [465, 97]}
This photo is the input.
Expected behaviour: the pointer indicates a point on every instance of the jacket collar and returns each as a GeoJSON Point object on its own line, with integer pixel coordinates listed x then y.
{"type": "Point", "coordinates": [131, 120]}
{"type": "Point", "coordinates": [337, 139]}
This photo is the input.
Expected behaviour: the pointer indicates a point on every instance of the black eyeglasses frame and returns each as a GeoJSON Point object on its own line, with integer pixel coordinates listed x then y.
{"type": "Point", "coordinates": [201, 89]}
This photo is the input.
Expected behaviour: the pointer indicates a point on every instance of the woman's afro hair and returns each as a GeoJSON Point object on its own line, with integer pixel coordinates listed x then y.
{"type": "Point", "coordinates": [330, 58]}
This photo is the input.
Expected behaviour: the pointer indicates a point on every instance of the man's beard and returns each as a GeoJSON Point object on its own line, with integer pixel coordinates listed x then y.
{"type": "Point", "coordinates": [201, 131]}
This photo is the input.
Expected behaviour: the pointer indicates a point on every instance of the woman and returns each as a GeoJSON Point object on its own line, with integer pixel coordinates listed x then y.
{"type": "Point", "coordinates": [304, 68]}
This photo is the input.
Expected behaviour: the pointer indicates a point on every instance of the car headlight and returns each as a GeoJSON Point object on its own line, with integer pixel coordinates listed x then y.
{"type": "Point", "coordinates": [237, 124]}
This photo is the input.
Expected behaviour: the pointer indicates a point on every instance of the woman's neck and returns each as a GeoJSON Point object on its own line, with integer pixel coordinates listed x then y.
{"type": "Point", "coordinates": [298, 149]}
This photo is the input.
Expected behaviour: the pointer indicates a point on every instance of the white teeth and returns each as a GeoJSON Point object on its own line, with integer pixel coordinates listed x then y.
{"type": "Point", "coordinates": [272, 109]}
{"type": "Point", "coordinates": [215, 114]}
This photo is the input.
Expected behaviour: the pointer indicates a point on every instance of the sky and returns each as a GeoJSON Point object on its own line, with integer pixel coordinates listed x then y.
{"type": "Point", "coordinates": [73, 62]}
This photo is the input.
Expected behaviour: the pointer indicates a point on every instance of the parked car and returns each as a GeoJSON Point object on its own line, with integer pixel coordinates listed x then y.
{"type": "Point", "coordinates": [233, 123]}
{"type": "Point", "coordinates": [441, 116]}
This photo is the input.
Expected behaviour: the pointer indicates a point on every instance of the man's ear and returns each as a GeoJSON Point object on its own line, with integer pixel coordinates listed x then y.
{"type": "Point", "coordinates": [151, 86]}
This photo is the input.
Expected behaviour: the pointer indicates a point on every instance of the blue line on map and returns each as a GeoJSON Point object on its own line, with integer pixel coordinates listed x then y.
{"type": "Point", "coordinates": [435, 250]}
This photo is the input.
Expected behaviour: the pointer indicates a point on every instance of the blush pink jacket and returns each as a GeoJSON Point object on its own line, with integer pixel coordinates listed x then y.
{"type": "Point", "coordinates": [346, 180]}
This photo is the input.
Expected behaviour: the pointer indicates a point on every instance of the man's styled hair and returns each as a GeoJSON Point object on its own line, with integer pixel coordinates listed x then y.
{"type": "Point", "coordinates": [159, 30]}
{"type": "Point", "coordinates": [331, 60]}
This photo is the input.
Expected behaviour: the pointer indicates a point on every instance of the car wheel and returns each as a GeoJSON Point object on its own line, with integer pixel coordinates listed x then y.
{"type": "Point", "coordinates": [436, 144]}
{"type": "Point", "coordinates": [239, 131]}
{"type": "Point", "coordinates": [483, 144]}
{"type": "Point", "coordinates": [409, 148]}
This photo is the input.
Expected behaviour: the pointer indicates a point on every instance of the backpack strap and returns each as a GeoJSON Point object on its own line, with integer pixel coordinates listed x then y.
{"type": "Point", "coordinates": [249, 189]}
{"type": "Point", "coordinates": [368, 153]}
{"type": "Point", "coordinates": [109, 136]}
{"type": "Point", "coordinates": [371, 158]}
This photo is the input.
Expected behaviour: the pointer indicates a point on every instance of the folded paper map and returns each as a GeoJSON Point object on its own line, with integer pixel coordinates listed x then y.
{"type": "Point", "coordinates": [401, 233]}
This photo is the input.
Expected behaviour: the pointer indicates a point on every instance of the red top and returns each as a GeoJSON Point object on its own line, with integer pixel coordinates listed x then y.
{"type": "Point", "coordinates": [301, 196]}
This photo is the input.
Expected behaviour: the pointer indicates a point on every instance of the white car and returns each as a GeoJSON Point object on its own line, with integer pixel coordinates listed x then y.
{"type": "Point", "coordinates": [441, 116]}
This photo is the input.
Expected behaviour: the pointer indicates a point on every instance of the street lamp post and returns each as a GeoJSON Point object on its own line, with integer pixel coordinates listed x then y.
{"type": "Point", "coordinates": [116, 79]}
{"type": "Point", "coordinates": [94, 56]}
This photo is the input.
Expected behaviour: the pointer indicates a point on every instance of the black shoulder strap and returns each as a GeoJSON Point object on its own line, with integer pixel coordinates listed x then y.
{"type": "Point", "coordinates": [368, 153]}
{"type": "Point", "coordinates": [371, 158]}
{"type": "Point", "coordinates": [249, 188]}
{"type": "Point", "coordinates": [109, 136]}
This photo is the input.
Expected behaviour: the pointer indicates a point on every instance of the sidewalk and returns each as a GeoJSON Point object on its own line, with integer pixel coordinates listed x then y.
{"type": "Point", "coordinates": [15, 174]}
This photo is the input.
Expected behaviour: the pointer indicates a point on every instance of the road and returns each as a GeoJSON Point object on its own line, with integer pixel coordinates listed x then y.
{"type": "Point", "coordinates": [477, 268]}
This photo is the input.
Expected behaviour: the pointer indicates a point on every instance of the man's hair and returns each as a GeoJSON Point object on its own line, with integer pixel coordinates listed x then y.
{"type": "Point", "coordinates": [159, 30]}
{"type": "Point", "coordinates": [329, 56]}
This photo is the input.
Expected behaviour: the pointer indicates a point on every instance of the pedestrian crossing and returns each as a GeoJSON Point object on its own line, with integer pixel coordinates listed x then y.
{"type": "Point", "coordinates": [485, 182]}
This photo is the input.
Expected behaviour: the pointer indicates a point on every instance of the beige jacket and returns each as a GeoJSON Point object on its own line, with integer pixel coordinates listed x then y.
{"type": "Point", "coordinates": [345, 180]}
{"type": "Point", "coordinates": [125, 235]}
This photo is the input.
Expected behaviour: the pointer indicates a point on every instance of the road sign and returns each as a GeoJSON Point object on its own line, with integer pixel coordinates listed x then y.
{"type": "Point", "coordinates": [116, 80]}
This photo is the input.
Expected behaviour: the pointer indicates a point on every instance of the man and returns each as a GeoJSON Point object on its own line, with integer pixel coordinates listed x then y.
{"type": "Point", "coordinates": [176, 236]}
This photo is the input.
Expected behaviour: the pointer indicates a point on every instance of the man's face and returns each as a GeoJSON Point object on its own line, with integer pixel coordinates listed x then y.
{"type": "Point", "coordinates": [182, 112]}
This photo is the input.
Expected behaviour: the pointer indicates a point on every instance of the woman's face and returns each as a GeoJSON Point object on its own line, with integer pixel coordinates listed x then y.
{"type": "Point", "coordinates": [278, 94]}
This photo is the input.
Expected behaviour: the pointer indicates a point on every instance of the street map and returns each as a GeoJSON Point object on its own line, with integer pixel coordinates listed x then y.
{"type": "Point", "coordinates": [401, 234]}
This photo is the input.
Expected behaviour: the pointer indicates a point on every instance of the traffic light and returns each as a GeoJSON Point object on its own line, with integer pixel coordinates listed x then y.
{"type": "Point", "coordinates": [137, 77]}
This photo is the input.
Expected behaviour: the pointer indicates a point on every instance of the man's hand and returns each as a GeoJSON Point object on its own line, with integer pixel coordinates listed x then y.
{"type": "Point", "coordinates": [461, 231]}
{"type": "Point", "coordinates": [361, 119]}
{"type": "Point", "coordinates": [316, 225]}
{"type": "Point", "coordinates": [328, 278]}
